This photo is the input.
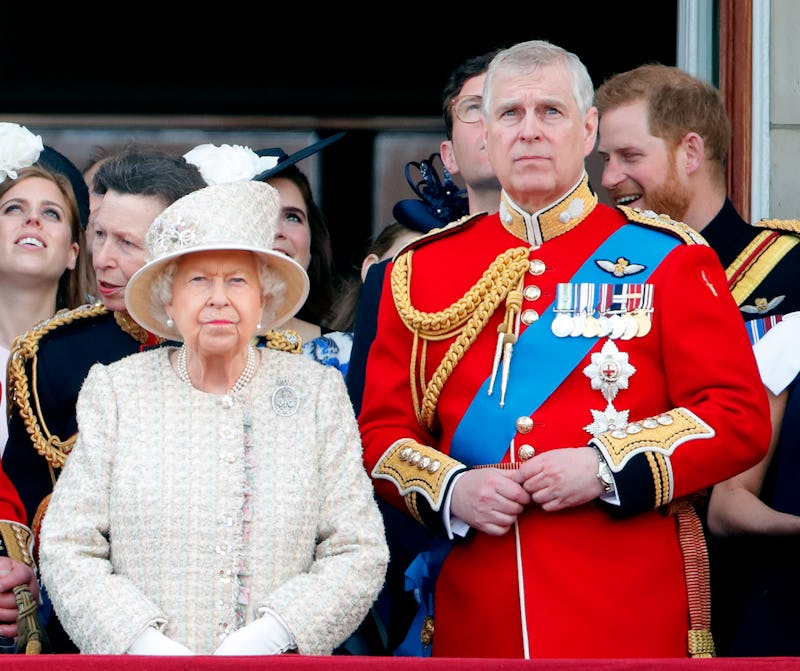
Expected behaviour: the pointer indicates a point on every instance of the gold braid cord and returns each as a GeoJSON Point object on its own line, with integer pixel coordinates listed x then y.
{"type": "Point", "coordinates": [695, 564]}
{"type": "Point", "coordinates": [32, 638]}
{"type": "Point", "coordinates": [24, 349]}
{"type": "Point", "coordinates": [463, 320]}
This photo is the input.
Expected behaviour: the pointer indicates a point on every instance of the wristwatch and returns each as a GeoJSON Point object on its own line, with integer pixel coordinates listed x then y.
{"type": "Point", "coordinates": [604, 473]}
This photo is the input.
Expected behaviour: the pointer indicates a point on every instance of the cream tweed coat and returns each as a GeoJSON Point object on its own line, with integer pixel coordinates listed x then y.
{"type": "Point", "coordinates": [145, 523]}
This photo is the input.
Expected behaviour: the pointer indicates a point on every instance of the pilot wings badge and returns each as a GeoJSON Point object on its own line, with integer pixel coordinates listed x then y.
{"type": "Point", "coordinates": [621, 267]}
{"type": "Point", "coordinates": [762, 305]}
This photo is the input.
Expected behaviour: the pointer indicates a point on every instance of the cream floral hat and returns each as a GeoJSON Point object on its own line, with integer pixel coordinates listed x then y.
{"type": "Point", "coordinates": [240, 215]}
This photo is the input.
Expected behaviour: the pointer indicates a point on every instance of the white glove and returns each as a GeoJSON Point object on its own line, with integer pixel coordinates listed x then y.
{"type": "Point", "coordinates": [153, 642]}
{"type": "Point", "coordinates": [264, 636]}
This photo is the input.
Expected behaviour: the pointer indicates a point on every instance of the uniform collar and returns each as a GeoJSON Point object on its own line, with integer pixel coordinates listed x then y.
{"type": "Point", "coordinates": [559, 217]}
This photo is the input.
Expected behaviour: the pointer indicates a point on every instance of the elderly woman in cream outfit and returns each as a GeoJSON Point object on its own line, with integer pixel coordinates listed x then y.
{"type": "Point", "coordinates": [215, 501]}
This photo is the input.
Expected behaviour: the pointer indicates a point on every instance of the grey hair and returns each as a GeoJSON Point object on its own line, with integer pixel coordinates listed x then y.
{"type": "Point", "coordinates": [273, 289]}
{"type": "Point", "coordinates": [527, 56]}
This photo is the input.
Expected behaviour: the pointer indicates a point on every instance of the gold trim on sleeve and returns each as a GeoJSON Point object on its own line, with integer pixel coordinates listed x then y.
{"type": "Point", "coordinates": [657, 437]}
{"type": "Point", "coordinates": [662, 433]}
{"type": "Point", "coordinates": [16, 542]}
{"type": "Point", "coordinates": [416, 468]}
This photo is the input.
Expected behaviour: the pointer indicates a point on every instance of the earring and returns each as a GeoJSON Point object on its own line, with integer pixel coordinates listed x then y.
{"type": "Point", "coordinates": [258, 326]}
{"type": "Point", "coordinates": [170, 323]}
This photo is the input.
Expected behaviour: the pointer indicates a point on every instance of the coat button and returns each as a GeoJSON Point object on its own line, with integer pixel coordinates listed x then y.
{"type": "Point", "coordinates": [529, 316]}
{"type": "Point", "coordinates": [531, 292]}
{"type": "Point", "coordinates": [536, 267]}
{"type": "Point", "coordinates": [525, 452]}
{"type": "Point", "coordinates": [524, 425]}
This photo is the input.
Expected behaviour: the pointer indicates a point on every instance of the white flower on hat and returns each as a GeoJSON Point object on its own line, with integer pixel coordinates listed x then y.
{"type": "Point", "coordinates": [19, 148]}
{"type": "Point", "coordinates": [228, 163]}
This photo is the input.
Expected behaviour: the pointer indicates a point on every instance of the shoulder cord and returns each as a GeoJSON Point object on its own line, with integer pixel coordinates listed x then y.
{"type": "Point", "coordinates": [24, 349]}
{"type": "Point", "coordinates": [464, 319]}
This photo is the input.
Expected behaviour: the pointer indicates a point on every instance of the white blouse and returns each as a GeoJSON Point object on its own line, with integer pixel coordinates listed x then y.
{"type": "Point", "coordinates": [778, 353]}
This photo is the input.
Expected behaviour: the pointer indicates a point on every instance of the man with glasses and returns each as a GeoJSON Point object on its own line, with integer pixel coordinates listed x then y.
{"type": "Point", "coordinates": [463, 152]}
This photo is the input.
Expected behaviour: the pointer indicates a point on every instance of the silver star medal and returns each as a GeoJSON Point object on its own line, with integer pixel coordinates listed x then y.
{"type": "Point", "coordinates": [608, 420]}
{"type": "Point", "coordinates": [285, 401]}
{"type": "Point", "coordinates": [609, 370]}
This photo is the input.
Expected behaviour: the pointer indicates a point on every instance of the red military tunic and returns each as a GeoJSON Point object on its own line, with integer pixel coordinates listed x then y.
{"type": "Point", "coordinates": [687, 411]}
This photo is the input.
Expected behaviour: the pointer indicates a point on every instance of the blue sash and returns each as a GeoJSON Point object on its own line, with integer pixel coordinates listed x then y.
{"type": "Point", "coordinates": [541, 360]}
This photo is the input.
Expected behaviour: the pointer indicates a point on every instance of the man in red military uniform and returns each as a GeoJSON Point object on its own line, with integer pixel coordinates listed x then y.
{"type": "Point", "coordinates": [551, 387]}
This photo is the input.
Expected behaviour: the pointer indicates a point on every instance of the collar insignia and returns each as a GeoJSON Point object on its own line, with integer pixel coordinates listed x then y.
{"type": "Point", "coordinates": [551, 221]}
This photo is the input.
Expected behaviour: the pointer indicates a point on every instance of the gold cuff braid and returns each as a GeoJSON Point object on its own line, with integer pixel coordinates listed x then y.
{"type": "Point", "coordinates": [656, 437]}
{"type": "Point", "coordinates": [417, 469]}
{"type": "Point", "coordinates": [16, 542]}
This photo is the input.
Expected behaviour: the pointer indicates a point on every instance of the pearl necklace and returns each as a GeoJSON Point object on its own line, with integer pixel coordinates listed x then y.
{"type": "Point", "coordinates": [247, 374]}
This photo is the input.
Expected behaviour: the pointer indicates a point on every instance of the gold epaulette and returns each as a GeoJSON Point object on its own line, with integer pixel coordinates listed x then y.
{"type": "Point", "coordinates": [436, 233]}
{"type": "Point", "coordinates": [24, 349]}
{"type": "Point", "coordinates": [417, 469]}
{"type": "Point", "coordinates": [787, 225]}
{"type": "Point", "coordinates": [663, 222]}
